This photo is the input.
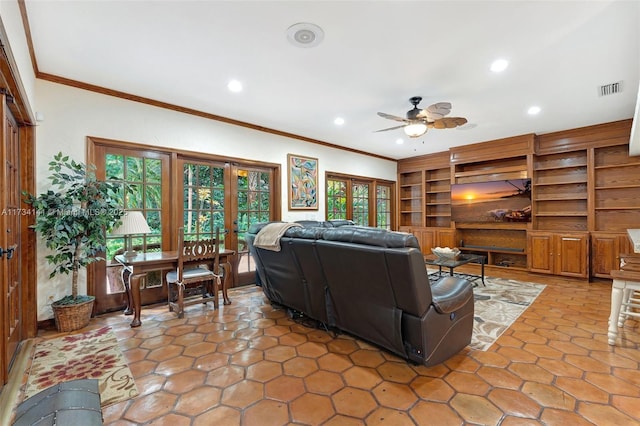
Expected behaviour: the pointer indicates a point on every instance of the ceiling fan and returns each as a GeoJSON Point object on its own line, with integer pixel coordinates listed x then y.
{"type": "Point", "coordinates": [419, 120]}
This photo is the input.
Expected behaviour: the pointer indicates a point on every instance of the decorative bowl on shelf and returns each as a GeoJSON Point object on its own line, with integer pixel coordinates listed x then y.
{"type": "Point", "coordinates": [446, 252]}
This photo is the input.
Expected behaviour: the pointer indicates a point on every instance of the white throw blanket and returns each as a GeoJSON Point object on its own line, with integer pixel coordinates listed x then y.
{"type": "Point", "coordinates": [269, 237]}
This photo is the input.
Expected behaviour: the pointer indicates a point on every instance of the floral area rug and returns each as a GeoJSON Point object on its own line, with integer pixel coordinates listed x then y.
{"type": "Point", "coordinates": [497, 306]}
{"type": "Point", "coordinates": [91, 355]}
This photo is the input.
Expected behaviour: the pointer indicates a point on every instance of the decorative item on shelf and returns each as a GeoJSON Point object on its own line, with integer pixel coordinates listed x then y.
{"type": "Point", "coordinates": [72, 219]}
{"type": "Point", "coordinates": [446, 252]}
{"type": "Point", "coordinates": [133, 223]}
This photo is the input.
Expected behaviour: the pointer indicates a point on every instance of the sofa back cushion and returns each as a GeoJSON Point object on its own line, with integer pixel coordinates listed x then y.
{"type": "Point", "coordinates": [361, 296]}
{"type": "Point", "coordinates": [370, 236]}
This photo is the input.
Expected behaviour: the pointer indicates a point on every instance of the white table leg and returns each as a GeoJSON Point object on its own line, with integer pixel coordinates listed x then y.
{"type": "Point", "coordinates": [616, 301]}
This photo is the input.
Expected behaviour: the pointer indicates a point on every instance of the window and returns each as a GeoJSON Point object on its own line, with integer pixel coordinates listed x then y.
{"type": "Point", "coordinates": [351, 197]}
{"type": "Point", "coordinates": [140, 182]}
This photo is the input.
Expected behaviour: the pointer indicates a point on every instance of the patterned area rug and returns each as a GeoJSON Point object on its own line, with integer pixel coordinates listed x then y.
{"type": "Point", "coordinates": [497, 306]}
{"type": "Point", "coordinates": [91, 355]}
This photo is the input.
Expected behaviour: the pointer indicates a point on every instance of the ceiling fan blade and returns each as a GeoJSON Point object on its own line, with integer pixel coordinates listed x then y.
{"type": "Point", "coordinates": [448, 122]}
{"type": "Point", "coordinates": [436, 111]}
{"type": "Point", "coordinates": [390, 128]}
{"type": "Point", "coordinates": [392, 117]}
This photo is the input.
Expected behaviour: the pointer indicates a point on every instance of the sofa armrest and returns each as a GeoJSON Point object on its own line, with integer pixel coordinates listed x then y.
{"type": "Point", "coordinates": [450, 294]}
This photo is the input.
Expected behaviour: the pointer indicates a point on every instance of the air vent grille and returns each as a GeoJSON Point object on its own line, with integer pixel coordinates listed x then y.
{"type": "Point", "coordinates": [610, 89]}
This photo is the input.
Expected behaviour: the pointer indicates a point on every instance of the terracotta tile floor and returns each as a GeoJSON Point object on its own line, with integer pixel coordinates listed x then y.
{"type": "Point", "coordinates": [250, 364]}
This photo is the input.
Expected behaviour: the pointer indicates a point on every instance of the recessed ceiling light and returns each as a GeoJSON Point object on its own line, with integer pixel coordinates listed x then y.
{"type": "Point", "coordinates": [235, 86]}
{"type": "Point", "coordinates": [339, 121]}
{"type": "Point", "coordinates": [399, 141]}
{"type": "Point", "coordinates": [533, 110]}
{"type": "Point", "coordinates": [499, 65]}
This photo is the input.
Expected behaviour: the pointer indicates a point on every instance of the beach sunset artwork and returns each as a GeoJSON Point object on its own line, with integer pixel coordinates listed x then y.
{"type": "Point", "coordinates": [494, 201]}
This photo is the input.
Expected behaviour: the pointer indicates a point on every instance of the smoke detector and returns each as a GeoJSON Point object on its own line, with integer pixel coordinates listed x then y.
{"type": "Point", "coordinates": [304, 34]}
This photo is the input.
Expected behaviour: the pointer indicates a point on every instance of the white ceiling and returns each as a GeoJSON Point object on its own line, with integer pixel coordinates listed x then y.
{"type": "Point", "coordinates": [375, 55]}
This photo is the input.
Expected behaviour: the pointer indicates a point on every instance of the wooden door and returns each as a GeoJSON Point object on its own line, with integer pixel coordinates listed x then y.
{"type": "Point", "coordinates": [10, 278]}
{"type": "Point", "coordinates": [541, 252]}
{"type": "Point", "coordinates": [572, 254]}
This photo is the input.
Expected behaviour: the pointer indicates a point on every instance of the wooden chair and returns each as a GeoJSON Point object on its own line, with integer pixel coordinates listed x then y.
{"type": "Point", "coordinates": [192, 277]}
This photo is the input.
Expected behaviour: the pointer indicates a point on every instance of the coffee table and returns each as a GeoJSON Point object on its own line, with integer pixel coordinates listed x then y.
{"type": "Point", "coordinates": [462, 259]}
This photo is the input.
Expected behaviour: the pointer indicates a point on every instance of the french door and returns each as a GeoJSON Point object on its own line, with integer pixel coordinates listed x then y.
{"type": "Point", "coordinates": [10, 277]}
{"type": "Point", "coordinates": [173, 190]}
{"type": "Point", "coordinates": [253, 192]}
{"type": "Point", "coordinates": [228, 196]}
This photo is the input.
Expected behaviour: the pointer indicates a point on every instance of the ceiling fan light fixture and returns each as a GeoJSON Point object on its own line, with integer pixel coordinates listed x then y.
{"type": "Point", "coordinates": [414, 130]}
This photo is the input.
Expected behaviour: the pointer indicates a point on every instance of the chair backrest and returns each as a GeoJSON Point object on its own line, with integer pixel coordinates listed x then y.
{"type": "Point", "coordinates": [198, 250]}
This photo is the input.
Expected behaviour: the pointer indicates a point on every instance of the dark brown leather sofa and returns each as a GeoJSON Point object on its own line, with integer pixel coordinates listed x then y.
{"type": "Point", "coordinates": [370, 283]}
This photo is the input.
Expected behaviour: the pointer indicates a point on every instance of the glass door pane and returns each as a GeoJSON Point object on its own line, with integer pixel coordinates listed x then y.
{"type": "Point", "coordinates": [254, 204]}
{"type": "Point", "coordinates": [336, 199]}
{"type": "Point", "coordinates": [360, 203]}
{"type": "Point", "coordinates": [204, 200]}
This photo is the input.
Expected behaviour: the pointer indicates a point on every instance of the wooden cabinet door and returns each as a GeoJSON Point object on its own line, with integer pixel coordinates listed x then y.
{"type": "Point", "coordinates": [427, 240]}
{"type": "Point", "coordinates": [446, 238]}
{"type": "Point", "coordinates": [572, 255]}
{"type": "Point", "coordinates": [540, 252]}
{"type": "Point", "coordinates": [605, 254]}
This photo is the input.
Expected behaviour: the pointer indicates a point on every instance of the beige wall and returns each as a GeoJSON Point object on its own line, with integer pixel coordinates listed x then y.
{"type": "Point", "coordinates": [72, 114]}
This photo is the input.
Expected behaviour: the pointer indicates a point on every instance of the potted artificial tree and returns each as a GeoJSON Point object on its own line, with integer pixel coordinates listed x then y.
{"type": "Point", "coordinates": [73, 219]}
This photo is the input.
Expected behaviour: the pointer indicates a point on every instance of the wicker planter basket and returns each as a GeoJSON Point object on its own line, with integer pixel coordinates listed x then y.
{"type": "Point", "coordinates": [72, 317]}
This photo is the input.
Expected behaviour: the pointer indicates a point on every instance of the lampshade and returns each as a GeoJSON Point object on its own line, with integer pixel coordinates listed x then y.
{"type": "Point", "coordinates": [415, 129]}
{"type": "Point", "coordinates": [133, 222]}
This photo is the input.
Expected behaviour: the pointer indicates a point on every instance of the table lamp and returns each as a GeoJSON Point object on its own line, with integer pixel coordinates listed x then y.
{"type": "Point", "coordinates": [133, 222]}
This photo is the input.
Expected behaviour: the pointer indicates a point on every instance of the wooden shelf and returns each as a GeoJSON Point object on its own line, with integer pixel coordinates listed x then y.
{"type": "Point", "coordinates": [616, 208]}
{"type": "Point", "coordinates": [568, 197]}
{"type": "Point", "coordinates": [497, 225]}
{"type": "Point", "coordinates": [492, 171]}
{"type": "Point", "coordinates": [447, 179]}
{"type": "Point", "coordinates": [410, 198]}
{"type": "Point", "coordinates": [570, 166]}
{"type": "Point", "coordinates": [567, 182]}
{"type": "Point", "coordinates": [561, 213]}
{"type": "Point", "coordinates": [617, 166]}
{"type": "Point", "coordinates": [616, 187]}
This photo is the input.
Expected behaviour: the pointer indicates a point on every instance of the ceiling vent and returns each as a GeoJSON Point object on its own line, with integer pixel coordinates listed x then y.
{"type": "Point", "coordinates": [610, 89]}
{"type": "Point", "coordinates": [305, 34]}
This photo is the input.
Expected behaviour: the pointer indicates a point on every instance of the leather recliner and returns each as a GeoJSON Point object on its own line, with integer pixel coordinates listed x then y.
{"type": "Point", "coordinates": [370, 283]}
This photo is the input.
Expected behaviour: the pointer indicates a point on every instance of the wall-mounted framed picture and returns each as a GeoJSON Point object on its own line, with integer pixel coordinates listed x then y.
{"type": "Point", "coordinates": [303, 182]}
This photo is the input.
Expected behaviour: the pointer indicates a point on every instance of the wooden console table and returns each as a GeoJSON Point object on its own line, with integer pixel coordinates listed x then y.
{"type": "Point", "coordinates": [134, 268]}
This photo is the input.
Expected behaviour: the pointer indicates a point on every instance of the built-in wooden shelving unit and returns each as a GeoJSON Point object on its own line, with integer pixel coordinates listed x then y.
{"type": "Point", "coordinates": [584, 190]}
